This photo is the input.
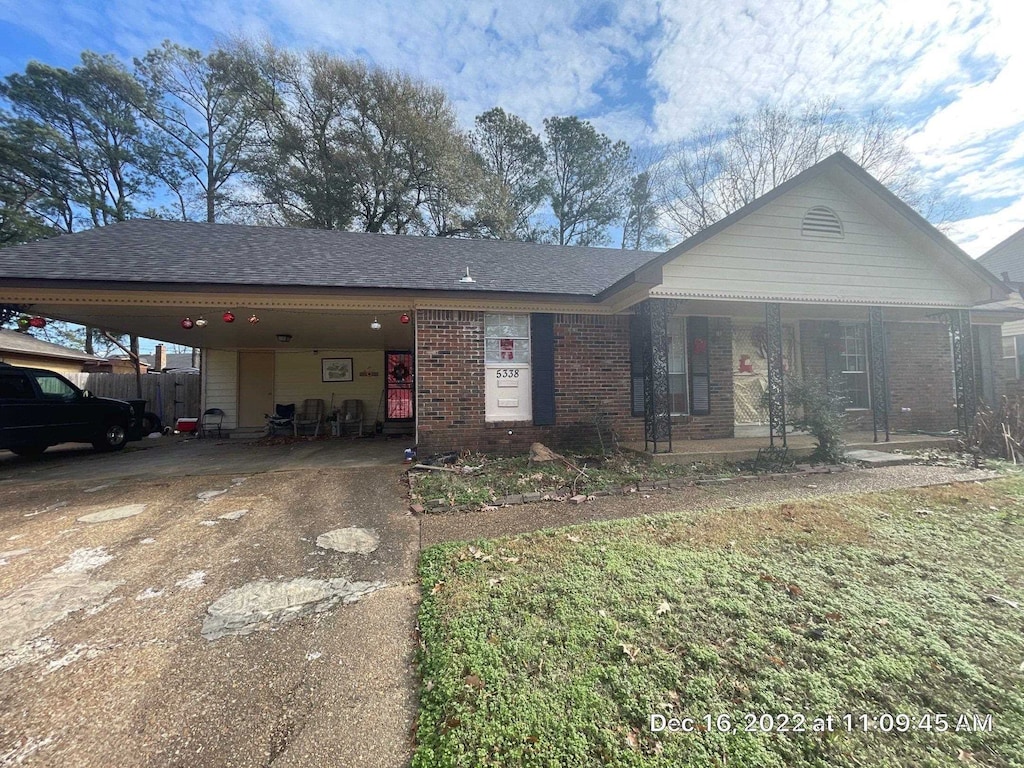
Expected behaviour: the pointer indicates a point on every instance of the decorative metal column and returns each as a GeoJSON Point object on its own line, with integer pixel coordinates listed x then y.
{"type": "Point", "coordinates": [879, 374]}
{"type": "Point", "coordinates": [963, 369]}
{"type": "Point", "coordinates": [776, 377]}
{"type": "Point", "coordinates": [654, 314]}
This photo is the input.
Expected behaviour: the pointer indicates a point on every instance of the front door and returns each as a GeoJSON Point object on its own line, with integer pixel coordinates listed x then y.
{"type": "Point", "coordinates": [255, 388]}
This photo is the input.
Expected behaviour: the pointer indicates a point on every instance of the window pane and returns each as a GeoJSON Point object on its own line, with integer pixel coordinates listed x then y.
{"type": "Point", "coordinates": [677, 394]}
{"type": "Point", "coordinates": [1009, 348]}
{"type": "Point", "coordinates": [856, 390]}
{"type": "Point", "coordinates": [56, 388]}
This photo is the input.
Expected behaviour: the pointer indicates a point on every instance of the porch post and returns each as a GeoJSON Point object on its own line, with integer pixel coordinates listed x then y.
{"type": "Point", "coordinates": [879, 374]}
{"type": "Point", "coordinates": [776, 377]}
{"type": "Point", "coordinates": [654, 314]}
{"type": "Point", "coordinates": [963, 369]}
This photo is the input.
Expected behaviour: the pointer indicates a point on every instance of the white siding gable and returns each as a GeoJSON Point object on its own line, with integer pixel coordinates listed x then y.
{"type": "Point", "coordinates": [879, 259]}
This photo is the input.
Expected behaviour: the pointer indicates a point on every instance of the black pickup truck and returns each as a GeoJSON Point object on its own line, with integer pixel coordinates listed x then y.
{"type": "Point", "coordinates": [40, 408]}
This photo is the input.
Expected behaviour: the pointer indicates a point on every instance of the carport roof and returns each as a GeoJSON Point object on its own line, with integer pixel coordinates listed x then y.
{"type": "Point", "coordinates": [169, 252]}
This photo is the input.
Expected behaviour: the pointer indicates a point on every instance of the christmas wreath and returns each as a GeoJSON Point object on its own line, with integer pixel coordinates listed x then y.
{"type": "Point", "coordinates": [400, 372]}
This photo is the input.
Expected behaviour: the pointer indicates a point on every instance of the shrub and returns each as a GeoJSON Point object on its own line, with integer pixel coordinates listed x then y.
{"type": "Point", "coordinates": [816, 406]}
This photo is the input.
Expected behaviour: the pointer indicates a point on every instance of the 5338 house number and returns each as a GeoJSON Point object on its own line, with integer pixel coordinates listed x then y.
{"type": "Point", "coordinates": [507, 373]}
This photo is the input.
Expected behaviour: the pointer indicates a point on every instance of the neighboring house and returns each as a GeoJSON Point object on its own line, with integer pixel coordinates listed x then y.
{"type": "Point", "coordinates": [169, 362]}
{"type": "Point", "coordinates": [492, 345]}
{"type": "Point", "coordinates": [1006, 260]}
{"type": "Point", "coordinates": [17, 348]}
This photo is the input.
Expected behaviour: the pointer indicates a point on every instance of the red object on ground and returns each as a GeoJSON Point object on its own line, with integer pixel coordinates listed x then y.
{"type": "Point", "coordinates": [186, 425]}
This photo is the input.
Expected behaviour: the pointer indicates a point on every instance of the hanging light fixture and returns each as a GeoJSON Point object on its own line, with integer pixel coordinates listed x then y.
{"type": "Point", "coordinates": [201, 322]}
{"type": "Point", "coordinates": [253, 319]}
{"type": "Point", "coordinates": [404, 318]}
{"type": "Point", "coordinates": [375, 325]}
{"type": "Point", "coordinates": [229, 316]}
{"type": "Point", "coordinates": [187, 323]}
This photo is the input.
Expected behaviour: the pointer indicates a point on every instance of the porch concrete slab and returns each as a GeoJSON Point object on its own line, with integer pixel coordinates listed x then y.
{"type": "Point", "coordinates": [736, 449]}
{"type": "Point", "coordinates": [870, 458]}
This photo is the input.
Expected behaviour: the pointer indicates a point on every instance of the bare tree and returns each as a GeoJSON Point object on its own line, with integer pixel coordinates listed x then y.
{"type": "Point", "coordinates": [719, 169]}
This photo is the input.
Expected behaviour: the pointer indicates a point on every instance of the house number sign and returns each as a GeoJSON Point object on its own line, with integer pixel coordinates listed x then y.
{"type": "Point", "coordinates": [507, 373]}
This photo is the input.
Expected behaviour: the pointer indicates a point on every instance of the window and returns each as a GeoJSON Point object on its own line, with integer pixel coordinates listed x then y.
{"type": "Point", "coordinates": [853, 359]}
{"type": "Point", "coordinates": [508, 391]}
{"type": "Point", "coordinates": [677, 381]}
{"type": "Point", "coordinates": [55, 388]}
{"type": "Point", "coordinates": [15, 386]}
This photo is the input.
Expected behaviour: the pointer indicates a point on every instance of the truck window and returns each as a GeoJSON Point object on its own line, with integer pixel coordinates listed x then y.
{"type": "Point", "coordinates": [15, 386]}
{"type": "Point", "coordinates": [55, 388]}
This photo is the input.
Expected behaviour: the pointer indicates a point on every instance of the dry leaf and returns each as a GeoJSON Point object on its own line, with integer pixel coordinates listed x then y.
{"type": "Point", "coordinates": [494, 582]}
{"type": "Point", "coordinates": [776, 661]}
{"type": "Point", "coordinates": [965, 756]}
{"type": "Point", "coordinates": [663, 607]}
{"type": "Point", "coordinates": [532, 739]}
{"type": "Point", "coordinates": [630, 650]}
{"type": "Point", "coordinates": [604, 615]}
{"type": "Point", "coordinates": [474, 682]}
{"type": "Point", "coordinates": [882, 622]}
{"type": "Point", "coordinates": [834, 616]}
{"type": "Point", "coordinates": [512, 560]}
{"type": "Point", "coordinates": [574, 539]}
{"type": "Point", "coordinates": [795, 591]}
{"type": "Point", "coordinates": [768, 577]}
{"type": "Point", "coordinates": [633, 740]}
{"type": "Point", "coordinates": [437, 588]}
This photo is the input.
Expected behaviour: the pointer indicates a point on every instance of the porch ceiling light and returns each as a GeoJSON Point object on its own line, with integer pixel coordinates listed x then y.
{"type": "Point", "coordinates": [284, 338]}
{"type": "Point", "coordinates": [375, 325]}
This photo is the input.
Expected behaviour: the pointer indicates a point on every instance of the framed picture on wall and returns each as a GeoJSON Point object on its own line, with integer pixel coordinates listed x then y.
{"type": "Point", "coordinates": [336, 369]}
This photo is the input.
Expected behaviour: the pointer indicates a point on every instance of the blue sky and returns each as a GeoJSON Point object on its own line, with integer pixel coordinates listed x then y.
{"type": "Point", "coordinates": [953, 72]}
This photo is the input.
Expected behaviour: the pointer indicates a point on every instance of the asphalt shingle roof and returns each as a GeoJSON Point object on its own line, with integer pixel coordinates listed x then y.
{"type": "Point", "coordinates": [152, 251]}
{"type": "Point", "coordinates": [15, 341]}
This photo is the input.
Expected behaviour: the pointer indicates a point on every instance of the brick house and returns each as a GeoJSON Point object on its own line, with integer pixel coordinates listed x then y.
{"type": "Point", "coordinates": [1007, 261]}
{"type": "Point", "coordinates": [491, 345]}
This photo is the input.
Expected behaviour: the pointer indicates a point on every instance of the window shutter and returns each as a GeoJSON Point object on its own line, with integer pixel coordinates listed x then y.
{"type": "Point", "coordinates": [698, 347]}
{"type": "Point", "coordinates": [636, 365]}
{"type": "Point", "coordinates": [542, 341]}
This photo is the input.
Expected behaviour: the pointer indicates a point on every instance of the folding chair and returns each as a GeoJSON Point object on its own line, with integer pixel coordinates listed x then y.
{"type": "Point", "coordinates": [283, 418]}
{"type": "Point", "coordinates": [212, 419]}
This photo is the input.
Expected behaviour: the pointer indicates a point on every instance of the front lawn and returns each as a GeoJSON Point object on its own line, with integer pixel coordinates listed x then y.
{"type": "Point", "coordinates": [557, 648]}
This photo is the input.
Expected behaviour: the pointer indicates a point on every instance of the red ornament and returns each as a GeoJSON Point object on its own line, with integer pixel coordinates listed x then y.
{"type": "Point", "coordinates": [37, 322]}
{"type": "Point", "coordinates": [253, 319]}
{"type": "Point", "coordinates": [229, 316]}
{"type": "Point", "coordinates": [404, 318]}
{"type": "Point", "coordinates": [187, 323]}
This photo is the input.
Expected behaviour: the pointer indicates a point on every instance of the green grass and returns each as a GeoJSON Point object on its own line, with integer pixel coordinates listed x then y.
{"type": "Point", "coordinates": [507, 476]}
{"type": "Point", "coordinates": [554, 649]}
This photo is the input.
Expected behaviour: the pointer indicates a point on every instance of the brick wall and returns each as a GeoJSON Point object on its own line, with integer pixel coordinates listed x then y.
{"type": "Point", "coordinates": [721, 421]}
{"type": "Point", "coordinates": [920, 363]}
{"type": "Point", "coordinates": [592, 375]}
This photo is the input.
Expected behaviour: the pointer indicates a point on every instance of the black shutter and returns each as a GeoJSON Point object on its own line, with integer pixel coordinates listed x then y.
{"type": "Point", "coordinates": [542, 361]}
{"type": "Point", "coordinates": [698, 347]}
{"type": "Point", "coordinates": [636, 365]}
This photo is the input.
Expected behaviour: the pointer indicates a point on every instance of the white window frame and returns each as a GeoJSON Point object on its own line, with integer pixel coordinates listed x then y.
{"type": "Point", "coordinates": [861, 330]}
{"type": "Point", "coordinates": [679, 324]}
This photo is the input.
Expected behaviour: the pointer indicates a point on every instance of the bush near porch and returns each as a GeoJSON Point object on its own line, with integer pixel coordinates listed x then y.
{"type": "Point", "coordinates": [555, 648]}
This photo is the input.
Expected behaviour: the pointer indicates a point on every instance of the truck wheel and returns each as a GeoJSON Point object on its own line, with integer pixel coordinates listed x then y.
{"type": "Point", "coordinates": [151, 423]}
{"type": "Point", "coordinates": [29, 450]}
{"type": "Point", "coordinates": [114, 438]}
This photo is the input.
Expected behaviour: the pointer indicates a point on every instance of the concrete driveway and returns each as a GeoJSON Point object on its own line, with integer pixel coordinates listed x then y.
{"type": "Point", "coordinates": [113, 566]}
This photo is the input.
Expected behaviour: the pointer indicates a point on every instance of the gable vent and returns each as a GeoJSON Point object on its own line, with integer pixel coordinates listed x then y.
{"type": "Point", "coordinates": [820, 221]}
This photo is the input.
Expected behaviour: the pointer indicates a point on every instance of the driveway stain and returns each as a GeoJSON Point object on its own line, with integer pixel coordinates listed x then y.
{"type": "Point", "coordinates": [114, 513]}
{"type": "Point", "coordinates": [260, 604]}
{"type": "Point", "coordinates": [357, 541]}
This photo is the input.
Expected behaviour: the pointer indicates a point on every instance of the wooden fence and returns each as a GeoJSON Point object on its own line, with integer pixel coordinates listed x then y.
{"type": "Point", "coordinates": [169, 395]}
